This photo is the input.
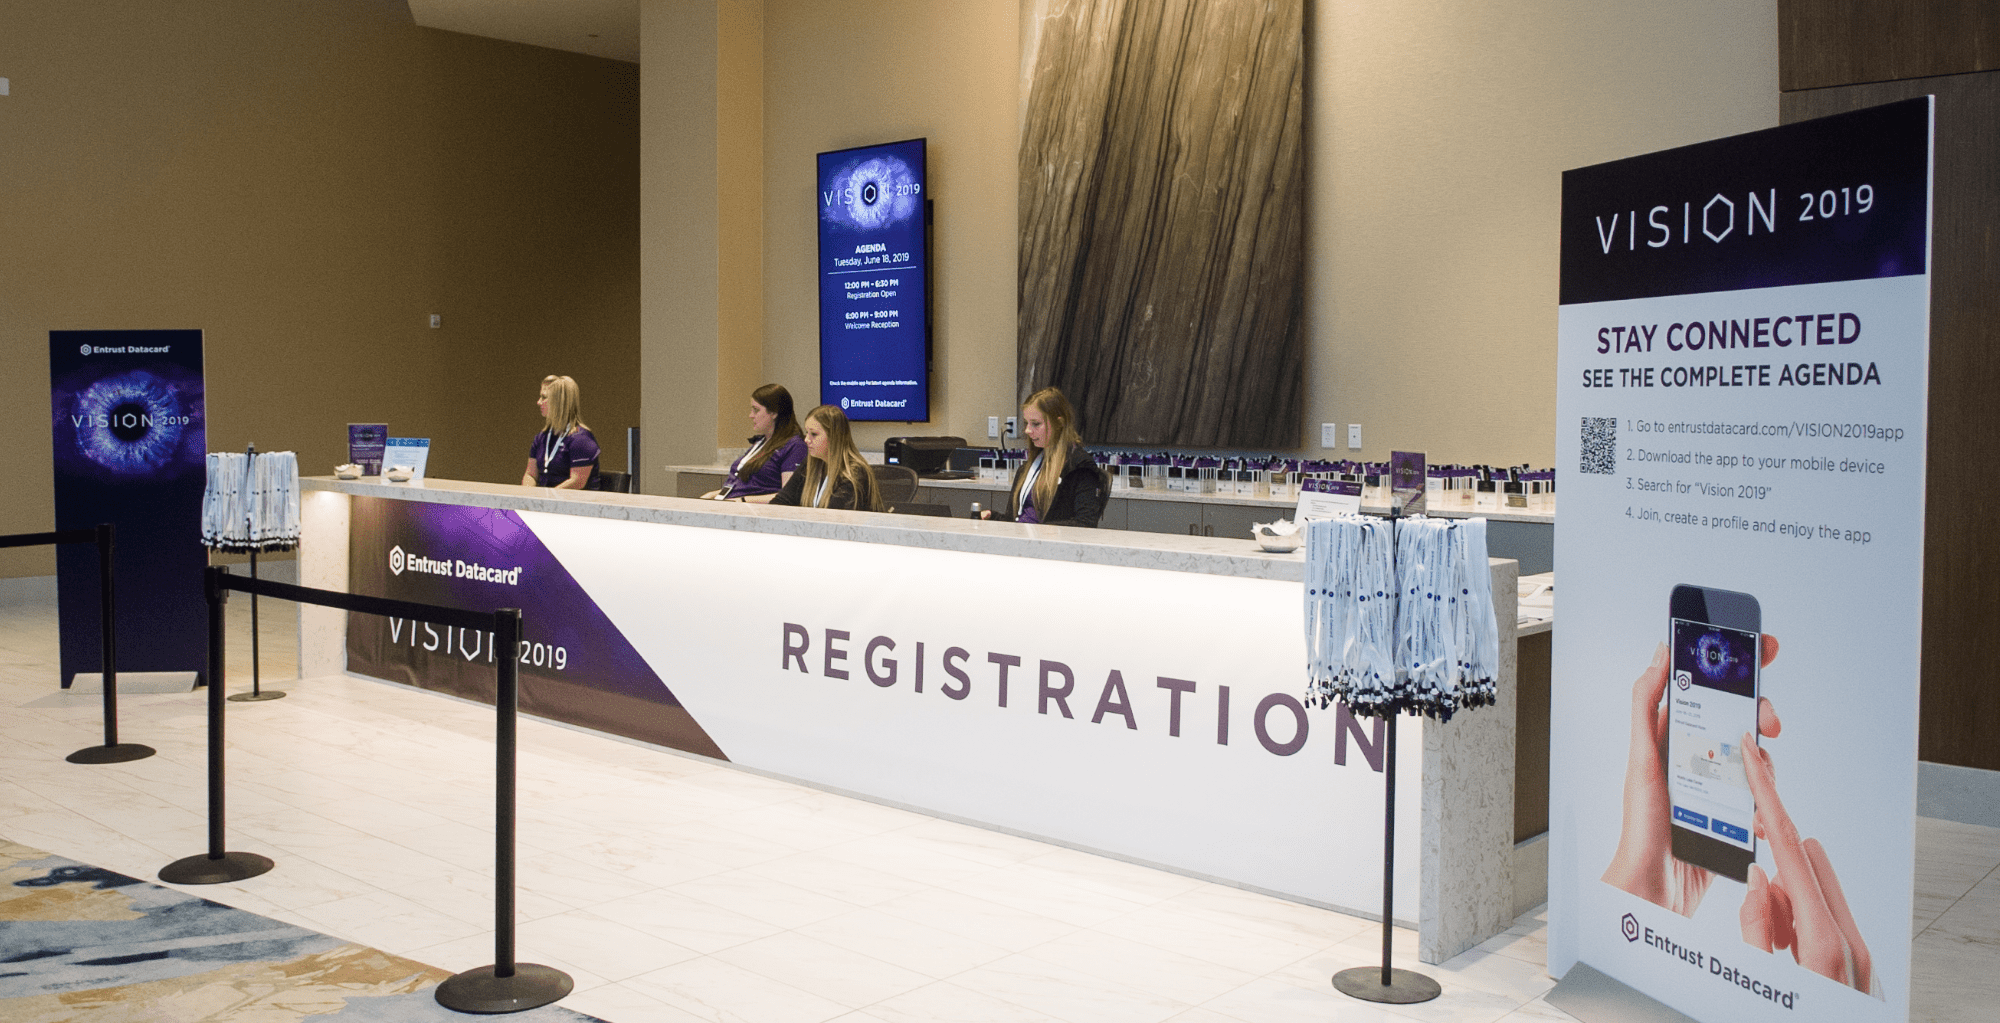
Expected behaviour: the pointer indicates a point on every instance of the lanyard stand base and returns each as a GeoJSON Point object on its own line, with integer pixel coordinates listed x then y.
{"type": "Point", "coordinates": [255, 697]}
{"type": "Point", "coordinates": [1404, 987]}
{"type": "Point", "coordinates": [115, 754]}
{"type": "Point", "coordinates": [484, 991]}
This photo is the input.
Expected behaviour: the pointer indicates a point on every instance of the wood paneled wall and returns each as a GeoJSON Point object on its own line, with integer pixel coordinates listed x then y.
{"type": "Point", "coordinates": [1162, 220]}
{"type": "Point", "coordinates": [1828, 43]}
{"type": "Point", "coordinates": [1947, 48]}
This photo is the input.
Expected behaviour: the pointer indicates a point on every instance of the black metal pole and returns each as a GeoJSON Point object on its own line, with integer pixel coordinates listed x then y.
{"type": "Point", "coordinates": [215, 866]}
{"type": "Point", "coordinates": [216, 658]}
{"type": "Point", "coordinates": [112, 752]}
{"type": "Point", "coordinates": [107, 612]}
{"type": "Point", "coordinates": [632, 456]}
{"type": "Point", "coordinates": [505, 986]}
{"type": "Point", "coordinates": [507, 703]}
{"type": "Point", "coordinates": [254, 659]}
{"type": "Point", "coordinates": [256, 693]}
{"type": "Point", "coordinates": [1388, 846]}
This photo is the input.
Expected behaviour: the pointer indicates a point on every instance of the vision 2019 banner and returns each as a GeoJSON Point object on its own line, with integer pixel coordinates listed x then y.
{"type": "Point", "coordinates": [1744, 349]}
{"type": "Point", "coordinates": [130, 448]}
{"type": "Point", "coordinates": [1151, 728]}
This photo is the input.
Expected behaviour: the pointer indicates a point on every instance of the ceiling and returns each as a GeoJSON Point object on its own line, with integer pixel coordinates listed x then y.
{"type": "Point", "coordinates": [601, 28]}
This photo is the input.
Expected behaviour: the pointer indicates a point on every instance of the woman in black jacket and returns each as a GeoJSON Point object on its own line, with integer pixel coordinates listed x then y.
{"type": "Point", "coordinates": [1060, 484]}
{"type": "Point", "coordinates": [835, 474]}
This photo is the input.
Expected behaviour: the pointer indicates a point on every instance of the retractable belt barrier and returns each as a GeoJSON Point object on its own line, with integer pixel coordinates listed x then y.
{"type": "Point", "coordinates": [104, 535]}
{"type": "Point", "coordinates": [505, 986]}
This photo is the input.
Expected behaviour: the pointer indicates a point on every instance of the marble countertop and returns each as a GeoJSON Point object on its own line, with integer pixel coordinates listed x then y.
{"type": "Point", "coordinates": [1169, 552]}
{"type": "Point", "coordinates": [1126, 493]}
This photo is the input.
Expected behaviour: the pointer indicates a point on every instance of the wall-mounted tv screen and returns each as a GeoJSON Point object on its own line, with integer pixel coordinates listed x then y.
{"type": "Point", "coordinates": [874, 269]}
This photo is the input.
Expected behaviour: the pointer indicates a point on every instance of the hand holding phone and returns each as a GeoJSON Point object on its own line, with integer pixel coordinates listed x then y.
{"type": "Point", "coordinates": [1711, 705]}
{"type": "Point", "coordinates": [1645, 864]}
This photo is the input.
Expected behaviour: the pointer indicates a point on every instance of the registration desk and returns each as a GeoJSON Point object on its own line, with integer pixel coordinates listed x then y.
{"type": "Point", "coordinates": [1133, 694]}
{"type": "Point", "coordinates": [1523, 536]}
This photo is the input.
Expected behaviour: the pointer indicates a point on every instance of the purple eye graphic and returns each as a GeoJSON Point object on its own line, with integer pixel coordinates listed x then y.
{"type": "Point", "coordinates": [873, 194]}
{"type": "Point", "coordinates": [130, 423]}
{"type": "Point", "coordinates": [1721, 657]}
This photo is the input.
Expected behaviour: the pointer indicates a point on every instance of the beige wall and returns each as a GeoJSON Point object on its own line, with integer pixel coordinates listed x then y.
{"type": "Point", "coordinates": [842, 73]}
{"type": "Point", "coordinates": [1438, 134]}
{"type": "Point", "coordinates": [680, 321]}
{"type": "Point", "coordinates": [739, 105]}
{"type": "Point", "coordinates": [307, 182]}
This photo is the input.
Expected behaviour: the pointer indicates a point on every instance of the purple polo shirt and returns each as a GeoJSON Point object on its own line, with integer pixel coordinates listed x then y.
{"type": "Point", "coordinates": [577, 449]}
{"type": "Point", "coordinates": [769, 477]}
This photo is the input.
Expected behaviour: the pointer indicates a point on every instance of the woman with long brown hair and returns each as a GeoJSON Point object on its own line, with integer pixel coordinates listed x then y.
{"type": "Point", "coordinates": [835, 476]}
{"type": "Point", "coordinates": [1059, 485]}
{"type": "Point", "coordinates": [776, 452]}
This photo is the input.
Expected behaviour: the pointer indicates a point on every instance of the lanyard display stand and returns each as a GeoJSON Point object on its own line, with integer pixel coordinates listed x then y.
{"type": "Point", "coordinates": [226, 507]}
{"type": "Point", "coordinates": [1385, 638]}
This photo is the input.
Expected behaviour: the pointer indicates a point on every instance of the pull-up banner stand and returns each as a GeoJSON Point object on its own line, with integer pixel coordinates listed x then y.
{"type": "Point", "coordinates": [1744, 347]}
{"type": "Point", "coordinates": [130, 447]}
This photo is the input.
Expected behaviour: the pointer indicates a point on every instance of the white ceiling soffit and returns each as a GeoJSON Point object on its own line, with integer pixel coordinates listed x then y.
{"type": "Point", "coordinates": [601, 28]}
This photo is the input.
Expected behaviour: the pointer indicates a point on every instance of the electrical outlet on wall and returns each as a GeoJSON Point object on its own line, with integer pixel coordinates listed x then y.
{"type": "Point", "coordinates": [1329, 435]}
{"type": "Point", "coordinates": [1011, 424]}
{"type": "Point", "coordinates": [1354, 436]}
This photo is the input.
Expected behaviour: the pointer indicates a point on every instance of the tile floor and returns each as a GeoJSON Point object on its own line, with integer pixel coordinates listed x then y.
{"type": "Point", "coordinates": [674, 889]}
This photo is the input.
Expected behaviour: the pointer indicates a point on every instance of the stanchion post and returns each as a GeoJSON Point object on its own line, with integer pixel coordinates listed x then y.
{"type": "Point", "coordinates": [505, 986]}
{"type": "Point", "coordinates": [112, 752]}
{"type": "Point", "coordinates": [215, 866]}
{"type": "Point", "coordinates": [507, 704]}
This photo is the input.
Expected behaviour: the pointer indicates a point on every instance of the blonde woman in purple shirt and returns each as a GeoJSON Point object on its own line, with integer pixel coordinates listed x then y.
{"type": "Point", "coordinates": [563, 455]}
{"type": "Point", "coordinates": [777, 450]}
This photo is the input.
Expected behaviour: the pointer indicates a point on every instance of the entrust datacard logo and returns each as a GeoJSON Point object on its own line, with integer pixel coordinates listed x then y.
{"type": "Point", "coordinates": [1706, 962]}
{"type": "Point", "coordinates": [451, 568]}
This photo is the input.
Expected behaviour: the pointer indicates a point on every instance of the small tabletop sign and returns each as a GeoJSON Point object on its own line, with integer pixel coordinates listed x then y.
{"type": "Point", "coordinates": [364, 446]}
{"type": "Point", "coordinates": [1320, 499]}
{"type": "Point", "coordinates": [407, 452]}
{"type": "Point", "coordinates": [1406, 481]}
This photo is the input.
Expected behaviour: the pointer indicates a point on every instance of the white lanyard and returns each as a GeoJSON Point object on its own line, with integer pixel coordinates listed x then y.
{"type": "Point", "coordinates": [821, 494]}
{"type": "Point", "coordinates": [1028, 484]}
{"type": "Point", "coordinates": [735, 477]}
{"type": "Point", "coordinates": [549, 448]}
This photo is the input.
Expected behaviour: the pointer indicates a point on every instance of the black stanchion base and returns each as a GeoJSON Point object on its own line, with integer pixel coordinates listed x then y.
{"type": "Point", "coordinates": [1404, 987]}
{"type": "Point", "coordinates": [204, 869]}
{"type": "Point", "coordinates": [123, 752]}
{"type": "Point", "coordinates": [257, 697]}
{"type": "Point", "coordinates": [479, 990]}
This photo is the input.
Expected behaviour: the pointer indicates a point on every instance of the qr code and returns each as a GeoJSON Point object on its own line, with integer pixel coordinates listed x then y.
{"type": "Point", "coordinates": [1600, 446]}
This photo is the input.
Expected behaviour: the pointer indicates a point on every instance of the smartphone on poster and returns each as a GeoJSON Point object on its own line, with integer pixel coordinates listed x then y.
{"type": "Point", "coordinates": [1716, 639]}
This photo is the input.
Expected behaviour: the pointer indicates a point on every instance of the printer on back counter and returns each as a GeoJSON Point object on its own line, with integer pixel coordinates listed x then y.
{"type": "Point", "coordinates": [923, 455]}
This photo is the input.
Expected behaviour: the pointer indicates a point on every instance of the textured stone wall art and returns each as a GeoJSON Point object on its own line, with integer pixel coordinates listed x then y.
{"type": "Point", "coordinates": [1162, 276]}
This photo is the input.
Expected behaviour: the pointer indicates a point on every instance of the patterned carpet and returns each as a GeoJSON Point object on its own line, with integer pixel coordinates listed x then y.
{"type": "Point", "coordinates": [83, 945]}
